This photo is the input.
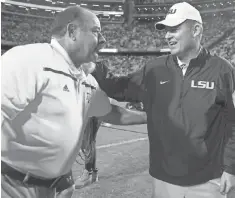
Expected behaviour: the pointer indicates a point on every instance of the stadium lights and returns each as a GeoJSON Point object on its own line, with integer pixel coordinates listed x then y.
{"type": "Point", "coordinates": [7, 4]}
{"type": "Point", "coordinates": [95, 5]}
{"type": "Point", "coordinates": [72, 3]}
{"type": "Point", "coordinates": [108, 50]}
{"type": "Point", "coordinates": [107, 6]}
{"type": "Point", "coordinates": [33, 8]}
{"type": "Point", "coordinates": [83, 4]}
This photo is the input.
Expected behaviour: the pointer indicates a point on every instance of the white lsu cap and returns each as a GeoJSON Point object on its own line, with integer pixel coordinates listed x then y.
{"type": "Point", "coordinates": [178, 14]}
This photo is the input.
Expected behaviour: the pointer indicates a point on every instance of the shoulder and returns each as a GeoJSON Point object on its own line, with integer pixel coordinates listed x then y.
{"type": "Point", "coordinates": [28, 49]}
{"type": "Point", "coordinates": [156, 62]}
{"type": "Point", "coordinates": [223, 65]}
{"type": "Point", "coordinates": [27, 56]}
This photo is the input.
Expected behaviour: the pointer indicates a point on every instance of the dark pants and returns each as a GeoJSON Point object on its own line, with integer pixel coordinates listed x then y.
{"type": "Point", "coordinates": [94, 126]}
{"type": "Point", "coordinates": [67, 181]}
{"type": "Point", "coordinates": [12, 188]}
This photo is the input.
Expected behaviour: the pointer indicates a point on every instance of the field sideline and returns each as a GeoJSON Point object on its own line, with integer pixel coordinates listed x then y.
{"type": "Point", "coordinates": [122, 160]}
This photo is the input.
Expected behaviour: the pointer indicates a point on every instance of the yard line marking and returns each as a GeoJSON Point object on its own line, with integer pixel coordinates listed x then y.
{"type": "Point", "coordinates": [120, 129]}
{"type": "Point", "coordinates": [121, 143]}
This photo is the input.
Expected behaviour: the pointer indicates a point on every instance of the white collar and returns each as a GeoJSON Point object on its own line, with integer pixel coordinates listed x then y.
{"type": "Point", "coordinates": [78, 72]}
{"type": "Point", "coordinates": [61, 50]}
{"type": "Point", "coordinates": [180, 63]}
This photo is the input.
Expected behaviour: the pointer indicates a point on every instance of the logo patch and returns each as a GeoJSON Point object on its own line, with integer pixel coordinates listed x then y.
{"type": "Point", "coordinates": [202, 84]}
{"type": "Point", "coordinates": [164, 82]}
{"type": "Point", "coordinates": [66, 88]}
{"type": "Point", "coordinates": [171, 11]}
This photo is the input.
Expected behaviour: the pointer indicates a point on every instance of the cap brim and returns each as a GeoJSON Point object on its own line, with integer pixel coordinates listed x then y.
{"type": "Point", "coordinates": [161, 25]}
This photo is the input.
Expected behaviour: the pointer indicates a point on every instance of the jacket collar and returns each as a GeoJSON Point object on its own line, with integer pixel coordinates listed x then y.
{"type": "Point", "coordinates": [76, 72]}
{"type": "Point", "coordinates": [199, 61]}
{"type": "Point", "coordinates": [56, 45]}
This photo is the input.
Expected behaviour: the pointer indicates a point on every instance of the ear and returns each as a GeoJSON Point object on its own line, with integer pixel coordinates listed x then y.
{"type": "Point", "coordinates": [72, 31]}
{"type": "Point", "coordinates": [197, 30]}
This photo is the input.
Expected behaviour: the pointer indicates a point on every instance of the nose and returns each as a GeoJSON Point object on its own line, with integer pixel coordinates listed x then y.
{"type": "Point", "coordinates": [168, 35]}
{"type": "Point", "coordinates": [101, 39]}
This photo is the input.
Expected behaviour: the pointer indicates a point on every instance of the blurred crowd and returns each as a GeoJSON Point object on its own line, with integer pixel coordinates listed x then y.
{"type": "Point", "coordinates": [23, 29]}
{"type": "Point", "coordinates": [226, 48]}
{"type": "Point", "coordinates": [158, 1]}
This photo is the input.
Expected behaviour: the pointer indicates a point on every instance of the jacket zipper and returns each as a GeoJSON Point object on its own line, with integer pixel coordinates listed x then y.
{"type": "Point", "coordinates": [181, 87]}
{"type": "Point", "coordinates": [80, 91]}
{"type": "Point", "coordinates": [183, 76]}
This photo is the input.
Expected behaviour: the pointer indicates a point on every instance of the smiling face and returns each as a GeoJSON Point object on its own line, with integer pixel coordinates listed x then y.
{"type": "Point", "coordinates": [86, 40]}
{"type": "Point", "coordinates": [180, 38]}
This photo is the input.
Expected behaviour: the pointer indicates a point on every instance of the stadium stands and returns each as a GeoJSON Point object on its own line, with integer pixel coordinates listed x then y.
{"type": "Point", "coordinates": [26, 25]}
{"type": "Point", "coordinates": [226, 48]}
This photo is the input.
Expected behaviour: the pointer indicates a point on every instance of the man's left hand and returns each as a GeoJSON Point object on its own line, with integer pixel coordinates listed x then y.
{"type": "Point", "coordinates": [227, 183]}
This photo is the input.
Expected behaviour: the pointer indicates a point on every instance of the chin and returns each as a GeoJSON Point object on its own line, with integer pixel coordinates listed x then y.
{"type": "Point", "coordinates": [88, 67]}
{"type": "Point", "coordinates": [91, 68]}
{"type": "Point", "coordinates": [174, 52]}
{"type": "Point", "coordinates": [93, 58]}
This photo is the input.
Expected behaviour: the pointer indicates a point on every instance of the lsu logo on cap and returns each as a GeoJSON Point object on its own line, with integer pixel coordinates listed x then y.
{"type": "Point", "coordinates": [171, 11]}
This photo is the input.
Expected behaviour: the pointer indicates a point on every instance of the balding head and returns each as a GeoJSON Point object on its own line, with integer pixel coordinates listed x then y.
{"type": "Point", "coordinates": [78, 31]}
{"type": "Point", "coordinates": [73, 14]}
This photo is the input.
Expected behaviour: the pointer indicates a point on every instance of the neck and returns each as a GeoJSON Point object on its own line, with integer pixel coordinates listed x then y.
{"type": "Point", "coordinates": [70, 53]}
{"type": "Point", "coordinates": [191, 54]}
